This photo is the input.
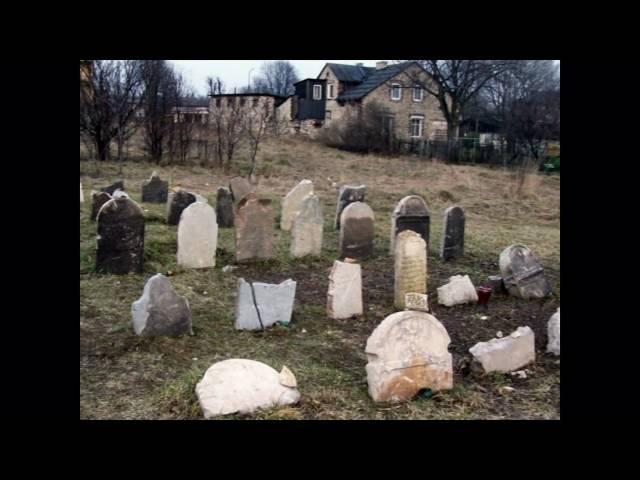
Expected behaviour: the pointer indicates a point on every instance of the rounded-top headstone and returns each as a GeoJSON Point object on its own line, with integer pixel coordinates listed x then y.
{"type": "Point", "coordinates": [197, 236]}
{"type": "Point", "coordinates": [254, 229]}
{"type": "Point", "coordinates": [411, 213]}
{"type": "Point", "coordinates": [452, 240]}
{"type": "Point", "coordinates": [410, 266]}
{"type": "Point", "coordinates": [348, 194]}
{"type": "Point", "coordinates": [522, 273]}
{"type": "Point", "coordinates": [293, 202]}
{"type": "Point", "coordinates": [357, 231]}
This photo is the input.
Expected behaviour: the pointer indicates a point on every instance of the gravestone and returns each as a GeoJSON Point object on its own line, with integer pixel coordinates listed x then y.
{"type": "Point", "coordinates": [81, 194]}
{"type": "Point", "coordinates": [240, 188]}
{"type": "Point", "coordinates": [155, 190]}
{"type": "Point", "coordinates": [416, 301]}
{"type": "Point", "coordinates": [553, 333]}
{"type": "Point", "coordinates": [260, 305]}
{"type": "Point", "coordinates": [120, 237]}
{"type": "Point", "coordinates": [98, 199]}
{"type": "Point", "coordinates": [307, 228]}
{"type": "Point", "coordinates": [178, 201]}
{"type": "Point", "coordinates": [505, 354]}
{"type": "Point", "coordinates": [160, 310]}
{"type": "Point", "coordinates": [452, 241]}
{"type": "Point", "coordinates": [243, 386]}
{"type": "Point", "coordinates": [197, 236]}
{"type": "Point", "coordinates": [292, 203]}
{"type": "Point", "coordinates": [459, 290]}
{"type": "Point", "coordinates": [522, 274]}
{"type": "Point", "coordinates": [411, 213]}
{"type": "Point", "coordinates": [407, 353]}
{"type": "Point", "coordinates": [348, 194]}
{"type": "Point", "coordinates": [224, 208]}
{"type": "Point", "coordinates": [410, 266]}
{"type": "Point", "coordinates": [357, 231]}
{"type": "Point", "coordinates": [113, 187]}
{"type": "Point", "coordinates": [344, 298]}
{"type": "Point", "coordinates": [254, 229]}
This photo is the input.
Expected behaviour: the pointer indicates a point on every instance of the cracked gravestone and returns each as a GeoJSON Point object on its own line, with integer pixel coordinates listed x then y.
{"type": "Point", "coordinates": [459, 290]}
{"type": "Point", "coordinates": [505, 354]}
{"type": "Point", "coordinates": [344, 298]}
{"type": "Point", "coordinates": [260, 305]}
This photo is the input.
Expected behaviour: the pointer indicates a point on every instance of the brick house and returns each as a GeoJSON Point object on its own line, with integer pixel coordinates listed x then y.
{"type": "Point", "coordinates": [341, 91]}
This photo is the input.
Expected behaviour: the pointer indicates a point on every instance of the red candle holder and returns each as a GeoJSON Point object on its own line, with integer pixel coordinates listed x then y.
{"type": "Point", "coordinates": [484, 293]}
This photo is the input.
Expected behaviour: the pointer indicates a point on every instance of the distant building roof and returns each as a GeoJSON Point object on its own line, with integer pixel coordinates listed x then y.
{"type": "Point", "coordinates": [373, 79]}
{"type": "Point", "coordinates": [247, 95]}
{"type": "Point", "coordinates": [350, 73]}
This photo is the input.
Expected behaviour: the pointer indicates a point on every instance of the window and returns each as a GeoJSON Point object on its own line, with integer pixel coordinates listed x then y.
{"type": "Point", "coordinates": [217, 102]}
{"type": "Point", "coordinates": [416, 126]}
{"type": "Point", "coordinates": [231, 100]}
{"type": "Point", "coordinates": [396, 91]}
{"type": "Point", "coordinates": [327, 115]}
{"type": "Point", "coordinates": [317, 92]}
{"type": "Point", "coordinates": [417, 93]}
{"type": "Point", "coordinates": [330, 93]}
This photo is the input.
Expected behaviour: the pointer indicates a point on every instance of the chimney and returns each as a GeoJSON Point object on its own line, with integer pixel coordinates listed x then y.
{"type": "Point", "coordinates": [381, 65]}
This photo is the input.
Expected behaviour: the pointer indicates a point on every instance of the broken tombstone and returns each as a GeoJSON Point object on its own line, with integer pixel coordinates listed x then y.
{"type": "Point", "coordinates": [522, 273]}
{"type": "Point", "coordinates": [505, 354]}
{"type": "Point", "coordinates": [459, 290]}
{"type": "Point", "coordinates": [260, 305]}
{"type": "Point", "coordinates": [416, 301]}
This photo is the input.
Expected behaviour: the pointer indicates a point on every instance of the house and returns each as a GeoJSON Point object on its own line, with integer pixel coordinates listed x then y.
{"type": "Point", "coordinates": [226, 106]}
{"type": "Point", "coordinates": [190, 115]}
{"type": "Point", "coordinates": [341, 91]}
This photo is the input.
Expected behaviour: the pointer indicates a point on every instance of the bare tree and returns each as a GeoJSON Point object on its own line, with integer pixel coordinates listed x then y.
{"type": "Point", "coordinates": [184, 122]}
{"type": "Point", "coordinates": [257, 119]}
{"type": "Point", "coordinates": [226, 120]}
{"type": "Point", "coordinates": [128, 98]}
{"type": "Point", "coordinates": [215, 86]}
{"type": "Point", "coordinates": [276, 78]}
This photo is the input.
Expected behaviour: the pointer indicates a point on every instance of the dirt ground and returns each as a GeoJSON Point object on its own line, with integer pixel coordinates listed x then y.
{"type": "Point", "coordinates": [123, 376]}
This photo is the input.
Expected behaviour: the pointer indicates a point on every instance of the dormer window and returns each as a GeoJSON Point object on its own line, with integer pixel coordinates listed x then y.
{"type": "Point", "coordinates": [396, 92]}
{"type": "Point", "coordinates": [417, 93]}
{"type": "Point", "coordinates": [317, 92]}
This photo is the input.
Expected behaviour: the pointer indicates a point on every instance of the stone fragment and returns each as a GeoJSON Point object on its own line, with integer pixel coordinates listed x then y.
{"type": "Point", "coordinates": [505, 354]}
{"type": "Point", "coordinates": [307, 228]}
{"type": "Point", "coordinates": [155, 190]}
{"type": "Point", "coordinates": [410, 266]}
{"type": "Point", "coordinates": [347, 195]}
{"type": "Point", "coordinates": [417, 301]}
{"type": "Point", "coordinates": [224, 208]}
{"type": "Point", "coordinates": [292, 203]}
{"type": "Point", "coordinates": [98, 199]}
{"type": "Point", "coordinates": [344, 298]}
{"type": "Point", "coordinates": [411, 213]}
{"type": "Point", "coordinates": [553, 333]}
{"type": "Point", "coordinates": [459, 290]}
{"type": "Point", "coordinates": [254, 229]}
{"type": "Point", "coordinates": [160, 310]}
{"type": "Point", "coordinates": [357, 231]}
{"type": "Point", "coordinates": [197, 236]}
{"type": "Point", "coordinates": [452, 241]}
{"type": "Point", "coordinates": [260, 305]}
{"type": "Point", "coordinates": [522, 273]}
{"type": "Point", "coordinates": [120, 239]}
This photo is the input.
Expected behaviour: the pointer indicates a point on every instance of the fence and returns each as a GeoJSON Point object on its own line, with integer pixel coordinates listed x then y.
{"type": "Point", "coordinates": [464, 150]}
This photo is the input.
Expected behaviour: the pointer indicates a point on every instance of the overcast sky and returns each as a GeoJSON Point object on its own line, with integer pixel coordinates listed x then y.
{"type": "Point", "coordinates": [235, 73]}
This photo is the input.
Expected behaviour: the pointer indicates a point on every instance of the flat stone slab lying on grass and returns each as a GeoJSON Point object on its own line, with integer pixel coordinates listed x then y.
{"type": "Point", "coordinates": [505, 354]}
{"type": "Point", "coordinates": [459, 290]}
{"type": "Point", "coordinates": [522, 273]}
{"type": "Point", "coordinates": [292, 203]}
{"type": "Point", "coordinates": [155, 190]}
{"type": "Point", "coordinates": [407, 353]}
{"type": "Point", "coordinates": [98, 199]}
{"type": "Point", "coordinates": [244, 386]}
{"type": "Point", "coordinates": [197, 236]}
{"type": "Point", "coordinates": [113, 187]}
{"type": "Point", "coordinates": [160, 310]}
{"type": "Point", "coordinates": [260, 305]}
{"type": "Point", "coordinates": [344, 298]}
{"type": "Point", "coordinates": [553, 333]}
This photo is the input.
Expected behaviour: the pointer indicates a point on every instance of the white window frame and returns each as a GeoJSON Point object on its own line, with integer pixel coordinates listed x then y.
{"type": "Point", "coordinates": [419, 89]}
{"type": "Point", "coordinates": [319, 86]}
{"type": "Point", "coordinates": [421, 125]}
{"type": "Point", "coordinates": [399, 98]}
{"type": "Point", "coordinates": [331, 93]}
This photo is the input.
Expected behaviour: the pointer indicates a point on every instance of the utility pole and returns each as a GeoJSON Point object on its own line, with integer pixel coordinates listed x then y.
{"type": "Point", "coordinates": [249, 79]}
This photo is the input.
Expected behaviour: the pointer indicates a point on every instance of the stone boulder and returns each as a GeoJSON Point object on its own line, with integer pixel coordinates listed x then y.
{"type": "Point", "coordinates": [553, 333]}
{"type": "Point", "coordinates": [459, 290]}
{"type": "Point", "coordinates": [505, 354]}
{"type": "Point", "coordinates": [244, 386]}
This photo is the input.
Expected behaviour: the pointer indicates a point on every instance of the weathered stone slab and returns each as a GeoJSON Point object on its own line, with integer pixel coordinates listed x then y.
{"type": "Point", "coordinates": [98, 199]}
{"type": "Point", "coordinates": [240, 188]}
{"type": "Point", "coordinates": [224, 208]}
{"type": "Point", "coordinates": [505, 354]}
{"type": "Point", "coordinates": [522, 273]}
{"type": "Point", "coordinates": [160, 310]}
{"type": "Point", "coordinates": [244, 386]}
{"type": "Point", "coordinates": [411, 213]}
{"type": "Point", "coordinates": [407, 353]}
{"type": "Point", "coordinates": [155, 190]}
{"type": "Point", "coordinates": [120, 237]}
{"type": "Point", "coordinates": [347, 195]}
{"type": "Point", "coordinates": [357, 231]}
{"type": "Point", "coordinates": [307, 228]}
{"type": "Point", "coordinates": [254, 229]}
{"type": "Point", "coordinates": [260, 305]}
{"type": "Point", "coordinates": [410, 266]}
{"type": "Point", "coordinates": [113, 187]}
{"type": "Point", "coordinates": [344, 298]}
{"type": "Point", "coordinates": [452, 240]}
{"type": "Point", "coordinates": [416, 301]}
{"type": "Point", "coordinates": [81, 194]}
{"type": "Point", "coordinates": [459, 290]}
{"type": "Point", "coordinates": [553, 333]}
{"type": "Point", "coordinates": [178, 201]}
{"type": "Point", "coordinates": [197, 236]}
{"type": "Point", "coordinates": [292, 203]}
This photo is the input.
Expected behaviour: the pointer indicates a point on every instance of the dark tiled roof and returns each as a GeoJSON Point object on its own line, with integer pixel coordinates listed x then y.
{"type": "Point", "coordinates": [350, 73]}
{"type": "Point", "coordinates": [374, 79]}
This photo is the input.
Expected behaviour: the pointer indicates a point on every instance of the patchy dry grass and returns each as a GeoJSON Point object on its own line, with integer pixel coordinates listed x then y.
{"type": "Point", "coordinates": [125, 376]}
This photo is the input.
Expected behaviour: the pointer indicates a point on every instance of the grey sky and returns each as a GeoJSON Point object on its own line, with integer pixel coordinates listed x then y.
{"type": "Point", "coordinates": [235, 73]}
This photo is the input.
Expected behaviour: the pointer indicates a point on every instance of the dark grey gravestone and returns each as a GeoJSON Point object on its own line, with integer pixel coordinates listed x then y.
{"type": "Point", "coordinates": [113, 187]}
{"type": "Point", "coordinates": [160, 310]}
{"type": "Point", "coordinates": [411, 213]}
{"type": "Point", "coordinates": [452, 241]}
{"type": "Point", "coordinates": [348, 194]}
{"type": "Point", "coordinates": [155, 190]}
{"type": "Point", "coordinates": [179, 201]}
{"type": "Point", "coordinates": [357, 231]}
{"type": "Point", "coordinates": [522, 273]}
{"type": "Point", "coordinates": [97, 200]}
{"type": "Point", "coordinates": [120, 237]}
{"type": "Point", "coordinates": [224, 208]}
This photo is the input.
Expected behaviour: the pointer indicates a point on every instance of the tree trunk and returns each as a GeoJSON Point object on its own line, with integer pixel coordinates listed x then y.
{"type": "Point", "coordinates": [102, 149]}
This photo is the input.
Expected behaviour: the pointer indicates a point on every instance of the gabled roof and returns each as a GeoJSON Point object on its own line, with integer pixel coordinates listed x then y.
{"type": "Point", "coordinates": [373, 80]}
{"type": "Point", "coordinates": [350, 73]}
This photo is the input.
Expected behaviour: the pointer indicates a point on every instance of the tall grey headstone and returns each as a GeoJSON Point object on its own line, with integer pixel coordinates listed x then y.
{"type": "Point", "coordinates": [120, 237]}
{"type": "Point", "coordinates": [260, 305]}
{"type": "Point", "coordinates": [452, 241]}
{"type": "Point", "coordinates": [307, 228]}
{"type": "Point", "coordinates": [348, 194]}
{"type": "Point", "coordinates": [155, 190]}
{"type": "Point", "coordinates": [160, 310]}
{"type": "Point", "coordinates": [178, 201]}
{"type": "Point", "coordinates": [254, 229]}
{"type": "Point", "coordinates": [411, 213]}
{"type": "Point", "coordinates": [357, 231]}
{"type": "Point", "coordinates": [522, 273]}
{"type": "Point", "coordinates": [292, 203]}
{"type": "Point", "coordinates": [197, 236]}
{"type": "Point", "coordinates": [224, 208]}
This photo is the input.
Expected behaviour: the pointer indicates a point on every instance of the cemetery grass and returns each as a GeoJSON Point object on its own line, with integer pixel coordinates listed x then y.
{"type": "Point", "coordinates": [123, 376]}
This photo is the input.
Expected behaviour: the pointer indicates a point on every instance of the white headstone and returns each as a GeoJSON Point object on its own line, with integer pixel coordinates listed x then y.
{"type": "Point", "coordinates": [307, 228]}
{"type": "Point", "coordinates": [344, 299]}
{"type": "Point", "coordinates": [459, 290]}
{"type": "Point", "coordinates": [197, 236]}
{"type": "Point", "coordinates": [506, 354]}
{"type": "Point", "coordinates": [293, 202]}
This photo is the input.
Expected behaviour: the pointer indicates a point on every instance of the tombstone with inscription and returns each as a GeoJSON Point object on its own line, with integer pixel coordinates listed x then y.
{"type": "Point", "coordinates": [452, 241]}
{"type": "Point", "coordinates": [411, 213]}
{"type": "Point", "coordinates": [348, 194]}
{"type": "Point", "coordinates": [357, 231]}
{"type": "Point", "coordinates": [410, 267]}
{"type": "Point", "coordinates": [522, 273]}
{"type": "Point", "coordinates": [254, 229]}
